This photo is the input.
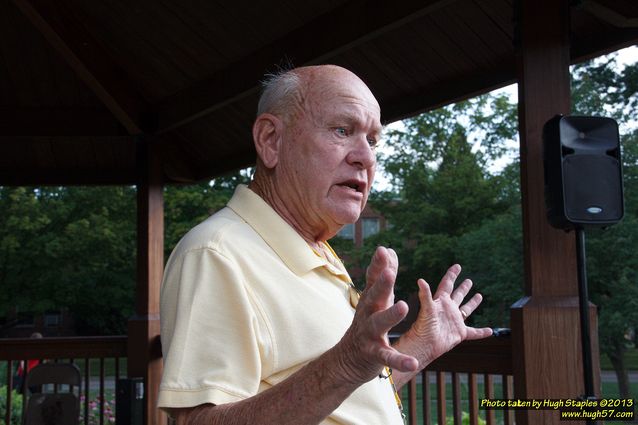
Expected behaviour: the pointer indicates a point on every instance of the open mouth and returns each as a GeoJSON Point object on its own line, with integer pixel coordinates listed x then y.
{"type": "Point", "coordinates": [354, 185]}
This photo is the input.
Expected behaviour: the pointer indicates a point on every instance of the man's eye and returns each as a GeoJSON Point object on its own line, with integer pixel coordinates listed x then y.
{"type": "Point", "coordinates": [342, 131]}
{"type": "Point", "coordinates": [373, 142]}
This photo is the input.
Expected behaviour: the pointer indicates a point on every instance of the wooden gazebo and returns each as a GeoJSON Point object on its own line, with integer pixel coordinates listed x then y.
{"type": "Point", "coordinates": [151, 93]}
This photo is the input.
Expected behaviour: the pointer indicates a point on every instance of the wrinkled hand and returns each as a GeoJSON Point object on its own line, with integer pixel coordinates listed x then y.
{"type": "Point", "coordinates": [440, 323]}
{"type": "Point", "coordinates": [368, 349]}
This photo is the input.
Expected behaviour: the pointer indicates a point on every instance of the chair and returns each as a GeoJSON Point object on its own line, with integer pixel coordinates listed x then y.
{"type": "Point", "coordinates": [56, 400]}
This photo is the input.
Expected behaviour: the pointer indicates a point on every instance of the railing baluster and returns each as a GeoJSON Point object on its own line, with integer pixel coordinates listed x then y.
{"type": "Point", "coordinates": [490, 356]}
{"type": "Point", "coordinates": [74, 350]}
{"type": "Point", "coordinates": [488, 389]}
{"type": "Point", "coordinates": [508, 415]}
{"type": "Point", "coordinates": [473, 398]}
{"type": "Point", "coordinates": [7, 414]}
{"type": "Point", "coordinates": [71, 387]}
{"type": "Point", "coordinates": [24, 388]}
{"type": "Point", "coordinates": [441, 397]}
{"type": "Point", "coordinates": [456, 398]}
{"type": "Point", "coordinates": [87, 389]}
{"type": "Point", "coordinates": [425, 390]}
{"type": "Point", "coordinates": [101, 390]}
{"type": "Point", "coordinates": [412, 401]}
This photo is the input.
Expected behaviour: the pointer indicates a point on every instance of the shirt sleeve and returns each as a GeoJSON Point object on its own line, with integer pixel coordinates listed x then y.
{"type": "Point", "coordinates": [211, 335]}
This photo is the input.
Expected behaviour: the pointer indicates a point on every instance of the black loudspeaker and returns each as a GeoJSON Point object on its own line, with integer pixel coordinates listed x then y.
{"type": "Point", "coordinates": [583, 173]}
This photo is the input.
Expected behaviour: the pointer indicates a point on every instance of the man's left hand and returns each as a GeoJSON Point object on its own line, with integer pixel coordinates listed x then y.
{"type": "Point", "coordinates": [440, 324]}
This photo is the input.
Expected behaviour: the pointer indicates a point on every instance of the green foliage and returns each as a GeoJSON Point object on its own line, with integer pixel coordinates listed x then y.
{"type": "Point", "coordinates": [441, 187]}
{"type": "Point", "coordinates": [465, 419]}
{"type": "Point", "coordinates": [69, 248]}
{"type": "Point", "coordinates": [492, 255]}
{"type": "Point", "coordinates": [75, 247]}
{"type": "Point", "coordinates": [16, 406]}
{"type": "Point", "coordinates": [186, 206]}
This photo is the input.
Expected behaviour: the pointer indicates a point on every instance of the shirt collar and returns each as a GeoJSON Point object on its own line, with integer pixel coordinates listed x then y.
{"type": "Point", "coordinates": [293, 250]}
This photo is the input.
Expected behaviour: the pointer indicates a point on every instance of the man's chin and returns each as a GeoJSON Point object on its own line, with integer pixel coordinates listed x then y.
{"type": "Point", "coordinates": [348, 218]}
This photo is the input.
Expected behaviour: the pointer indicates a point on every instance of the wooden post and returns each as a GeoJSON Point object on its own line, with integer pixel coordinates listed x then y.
{"type": "Point", "coordinates": [144, 353]}
{"type": "Point", "coordinates": [545, 323]}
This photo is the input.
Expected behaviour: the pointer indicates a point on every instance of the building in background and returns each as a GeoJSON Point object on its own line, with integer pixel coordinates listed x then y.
{"type": "Point", "coordinates": [370, 223]}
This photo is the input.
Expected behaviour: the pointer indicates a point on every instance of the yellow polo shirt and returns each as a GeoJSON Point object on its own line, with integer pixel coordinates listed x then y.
{"type": "Point", "coordinates": [245, 303]}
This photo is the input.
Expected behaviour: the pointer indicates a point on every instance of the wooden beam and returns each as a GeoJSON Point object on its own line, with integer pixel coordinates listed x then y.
{"type": "Point", "coordinates": [496, 77]}
{"type": "Point", "coordinates": [244, 158]}
{"type": "Point", "coordinates": [492, 355]}
{"type": "Point", "coordinates": [52, 122]}
{"type": "Point", "coordinates": [62, 347]}
{"type": "Point", "coordinates": [545, 323]}
{"type": "Point", "coordinates": [144, 360]}
{"type": "Point", "coordinates": [358, 21]}
{"type": "Point", "coordinates": [443, 94]}
{"type": "Point", "coordinates": [602, 43]}
{"type": "Point", "coordinates": [58, 24]}
{"type": "Point", "coordinates": [57, 177]}
{"type": "Point", "coordinates": [544, 91]}
{"type": "Point", "coordinates": [610, 15]}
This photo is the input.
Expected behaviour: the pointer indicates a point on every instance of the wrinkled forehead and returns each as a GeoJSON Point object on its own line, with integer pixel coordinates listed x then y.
{"type": "Point", "coordinates": [332, 86]}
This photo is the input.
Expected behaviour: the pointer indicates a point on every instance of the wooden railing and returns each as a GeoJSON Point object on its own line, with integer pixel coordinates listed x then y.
{"type": "Point", "coordinates": [92, 354]}
{"type": "Point", "coordinates": [486, 363]}
{"type": "Point", "coordinates": [472, 364]}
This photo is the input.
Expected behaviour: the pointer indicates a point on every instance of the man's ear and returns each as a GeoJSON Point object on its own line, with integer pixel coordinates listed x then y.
{"type": "Point", "coordinates": [267, 133]}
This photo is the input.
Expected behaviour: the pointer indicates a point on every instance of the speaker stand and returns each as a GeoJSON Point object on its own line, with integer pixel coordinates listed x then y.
{"type": "Point", "coordinates": [583, 302]}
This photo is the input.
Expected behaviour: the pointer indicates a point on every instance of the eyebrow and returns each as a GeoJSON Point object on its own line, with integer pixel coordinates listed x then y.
{"type": "Point", "coordinates": [351, 118]}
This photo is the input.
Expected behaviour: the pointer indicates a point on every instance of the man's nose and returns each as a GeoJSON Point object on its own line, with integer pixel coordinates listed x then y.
{"type": "Point", "coordinates": [362, 154]}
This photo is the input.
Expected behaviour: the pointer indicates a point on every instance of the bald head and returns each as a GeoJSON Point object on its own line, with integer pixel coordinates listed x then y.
{"type": "Point", "coordinates": [285, 94]}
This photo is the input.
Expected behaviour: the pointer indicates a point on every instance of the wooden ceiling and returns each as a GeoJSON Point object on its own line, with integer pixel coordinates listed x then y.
{"type": "Point", "coordinates": [82, 82]}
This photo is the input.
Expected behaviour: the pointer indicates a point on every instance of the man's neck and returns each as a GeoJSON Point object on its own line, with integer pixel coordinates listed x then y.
{"type": "Point", "coordinates": [294, 220]}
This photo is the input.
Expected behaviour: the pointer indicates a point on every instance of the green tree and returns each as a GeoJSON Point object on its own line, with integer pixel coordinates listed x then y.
{"type": "Point", "coordinates": [492, 255]}
{"type": "Point", "coordinates": [185, 206]}
{"type": "Point", "coordinates": [23, 223]}
{"type": "Point", "coordinates": [70, 248]}
{"type": "Point", "coordinates": [75, 247]}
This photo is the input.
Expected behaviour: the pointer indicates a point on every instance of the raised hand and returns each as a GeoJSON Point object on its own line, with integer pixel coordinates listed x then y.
{"type": "Point", "coordinates": [367, 338]}
{"type": "Point", "coordinates": [440, 324]}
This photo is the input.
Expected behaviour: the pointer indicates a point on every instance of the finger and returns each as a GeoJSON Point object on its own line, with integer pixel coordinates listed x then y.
{"type": "Point", "coordinates": [393, 260]}
{"type": "Point", "coordinates": [380, 295]}
{"type": "Point", "coordinates": [461, 291]}
{"type": "Point", "coordinates": [384, 320]}
{"type": "Point", "coordinates": [471, 305]}
{"type": "Point", "coordinates": [396, 360]}
{"type": "Point", "coordinates": [425, 294]}
{"type": "Point", "coordinates": [478, 333]}
{"type": "Point", "coordinates": [447, 282]}
{"type": "Point", "coordinates": [378, 263]}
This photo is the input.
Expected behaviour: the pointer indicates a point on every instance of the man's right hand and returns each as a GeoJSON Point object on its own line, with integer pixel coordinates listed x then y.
{"type": "Point", "coordinates": [366, 349]}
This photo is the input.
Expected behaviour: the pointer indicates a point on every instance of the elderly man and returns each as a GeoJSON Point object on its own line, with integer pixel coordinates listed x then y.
{"type": "Point", "coordinates": [260, 321]}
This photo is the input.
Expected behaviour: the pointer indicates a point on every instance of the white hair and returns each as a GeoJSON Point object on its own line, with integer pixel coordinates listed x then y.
{"type": "Point", "coordinates": [281, 94]}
